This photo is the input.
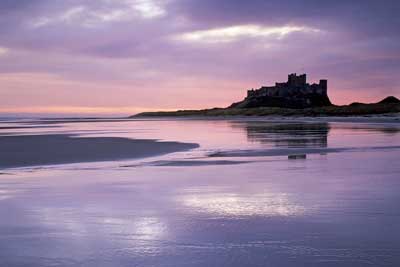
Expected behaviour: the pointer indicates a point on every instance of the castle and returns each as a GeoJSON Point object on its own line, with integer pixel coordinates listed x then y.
{"type": "Point", "coordinates": [295, 93]}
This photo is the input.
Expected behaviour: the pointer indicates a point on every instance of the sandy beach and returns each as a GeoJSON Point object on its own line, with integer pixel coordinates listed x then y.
{"type": "Point", "coordinates": [35, 150]}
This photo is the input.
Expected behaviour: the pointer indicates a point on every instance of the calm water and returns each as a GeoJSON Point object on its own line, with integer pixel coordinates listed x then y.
{"type": "Point", "coordinates": [230, 202]}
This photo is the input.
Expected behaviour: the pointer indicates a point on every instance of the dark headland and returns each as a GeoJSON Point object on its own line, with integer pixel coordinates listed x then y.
{"type": "Point", "coordinates": [295, 97]}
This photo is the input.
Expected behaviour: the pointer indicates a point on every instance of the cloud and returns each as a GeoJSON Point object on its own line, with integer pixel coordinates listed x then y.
{"type": "Point", "coordinates": [234, 33]}
{"type": "Point", "coordinates": [148, 8]}
{"type": "Point", "coordinates": [3, 51]}
{"type": "Point", "coordinates": [105, 11]}
{"type": "Point", "coordinates": [69, 16]}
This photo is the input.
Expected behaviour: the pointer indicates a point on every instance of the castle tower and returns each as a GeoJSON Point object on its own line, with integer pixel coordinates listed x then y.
{"type": "Point", "coordinates": [297, 81]}
{"type": "Point", "coordinates": [324, 85]}
{"type": "Point", "coordinates": [302, 79]}
{"type": "Point", "coordinates": [291, 79]}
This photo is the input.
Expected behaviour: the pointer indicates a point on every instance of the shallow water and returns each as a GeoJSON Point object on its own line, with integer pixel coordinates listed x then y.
{"type": "Point", "coordinates": [210, 206]}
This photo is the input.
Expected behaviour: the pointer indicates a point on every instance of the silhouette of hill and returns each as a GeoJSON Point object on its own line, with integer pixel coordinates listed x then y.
{"type": "Point", "coordinates": [389, 100]}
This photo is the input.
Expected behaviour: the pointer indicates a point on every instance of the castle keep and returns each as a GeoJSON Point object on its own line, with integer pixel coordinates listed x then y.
{"type": "Point", "coordinates": [295, 93]}
{"type": "Point", "coordinates": [294, 85]}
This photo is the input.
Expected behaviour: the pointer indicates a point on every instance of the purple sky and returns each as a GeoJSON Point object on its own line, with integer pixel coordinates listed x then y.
{"type": "Point", "coordinates": [126, 56]}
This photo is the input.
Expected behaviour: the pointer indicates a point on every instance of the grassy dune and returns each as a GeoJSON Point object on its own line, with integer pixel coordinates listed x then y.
{"type": "Point", "coordinates": [348, 110]}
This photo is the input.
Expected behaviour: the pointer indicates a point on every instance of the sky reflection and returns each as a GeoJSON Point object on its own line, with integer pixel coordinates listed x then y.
{"type": "Point", "coordinates": [234, 204]}
{"type": "Point", "coordinates": [6, 193]}
{"type": "Point", "coordinates": [143, 228]}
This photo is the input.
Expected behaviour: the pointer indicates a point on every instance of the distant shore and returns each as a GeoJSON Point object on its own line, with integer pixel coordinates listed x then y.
{"type": "Point", "coordinates": [355, 109]}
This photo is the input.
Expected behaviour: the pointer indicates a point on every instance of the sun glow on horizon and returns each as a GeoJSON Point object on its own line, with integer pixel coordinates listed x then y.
{"type": "Point", "coordinates": [80, 110]}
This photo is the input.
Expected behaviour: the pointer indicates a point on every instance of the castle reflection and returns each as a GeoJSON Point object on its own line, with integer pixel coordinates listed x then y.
{"type": "Point", "coordinates": [286, 134]}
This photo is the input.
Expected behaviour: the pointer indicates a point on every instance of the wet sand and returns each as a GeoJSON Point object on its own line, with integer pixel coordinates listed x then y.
{"type": "Point", "coordinates": [188, 163]}
{"type": "Point", "coordinates": [295, 151]}
{"type": "Point", "coordinates": [34, 150]}
{"type": "Point", "coordinates": [242, 207]}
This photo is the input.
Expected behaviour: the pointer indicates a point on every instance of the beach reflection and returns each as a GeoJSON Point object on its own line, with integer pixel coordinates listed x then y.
{"type": "Point", "coordinates": [6, 193]}
{"type": "Point", "coordinates": [189, 209]}
{"type": "Point", "coordinates": [131, 229]}
{"type": "Point", "coordinates": [233, 204]}
{"type": "Point", "coordinates": [143, 228]}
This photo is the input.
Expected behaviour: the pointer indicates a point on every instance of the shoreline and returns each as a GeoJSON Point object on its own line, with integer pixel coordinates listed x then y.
{"type": "Point", "coordinates": [372, 118]}
{"type": "Point", "coordinates": [395, 118]}
{"type": "Point", "coordinates": [387, 106]}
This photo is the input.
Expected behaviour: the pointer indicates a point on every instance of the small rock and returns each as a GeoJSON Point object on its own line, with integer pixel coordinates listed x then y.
{"type": "Point", "coordinates": [297, 156]}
